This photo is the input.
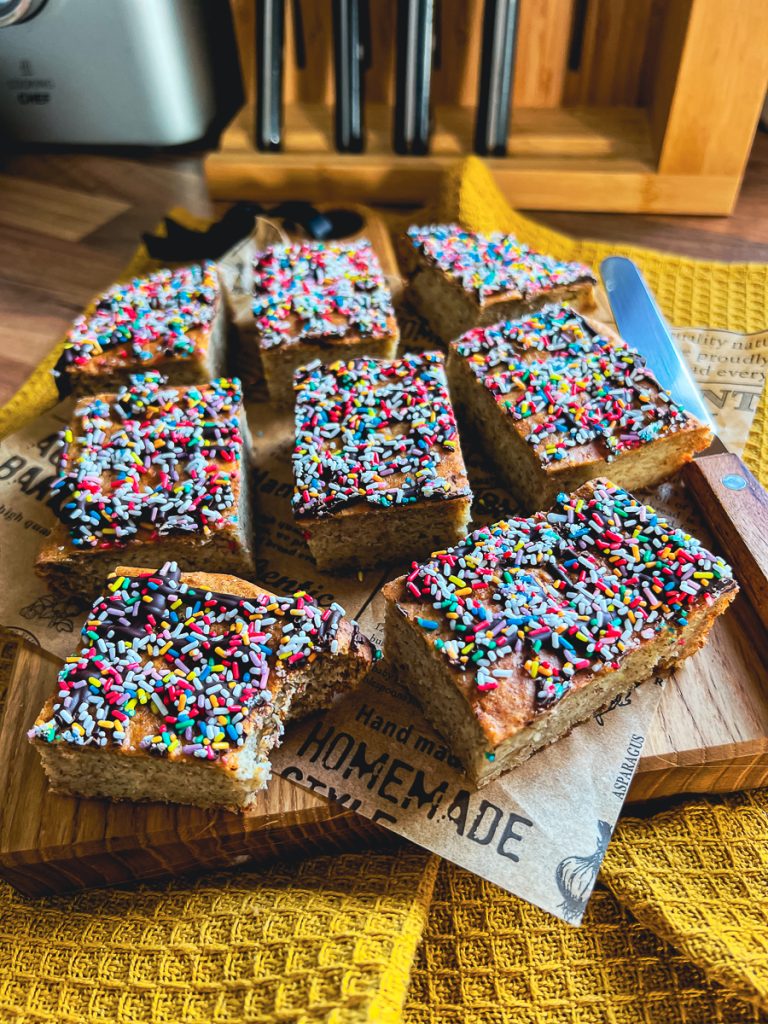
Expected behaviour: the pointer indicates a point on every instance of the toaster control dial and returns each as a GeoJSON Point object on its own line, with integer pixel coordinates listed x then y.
{"type": "Point", "coordinates": [14, 11]}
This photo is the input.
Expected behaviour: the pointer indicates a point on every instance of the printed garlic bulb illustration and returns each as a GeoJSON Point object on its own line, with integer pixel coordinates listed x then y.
{"type": "Point", "coordinates": [576, 876]}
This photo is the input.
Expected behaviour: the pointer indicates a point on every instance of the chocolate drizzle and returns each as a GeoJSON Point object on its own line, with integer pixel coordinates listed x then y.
{"type": "Point", "coordinates": [141, 322]}
{"type": "Point", "coordinates": [317, 291]}
{"type": "Point", "coordinates": [372, 431]}
{"type": "Point", "coordinates": [494, 264]}
{"type": "Point", "coordinates": [200, 663]}
{"type": "Point", "coordinates": [157, 460]}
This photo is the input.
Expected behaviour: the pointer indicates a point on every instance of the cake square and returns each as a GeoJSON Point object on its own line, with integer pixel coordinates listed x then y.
{"type": "Point", "coordinates": [462, 279]}
{"type": "Point", "coordinates": [159, 472]}
{"type": "Point", "coordinates": [183, 684]}
{"type": "Point", "coordinates": [558, 399]}
{"type": "Point", "coordinates": [316, 300]}
{"type": "Point", "coordinates": [530, 626]}
{"type": "Point", "coordinates": [378, 470]}
{"type": "Point", "coordinates": [173, 321]}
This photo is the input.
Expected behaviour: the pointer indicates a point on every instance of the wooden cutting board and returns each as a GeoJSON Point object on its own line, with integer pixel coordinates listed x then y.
{"type": "Point", "coordinates": [51, 843]}
{"type": "Point", "coordinates": [710, 735]}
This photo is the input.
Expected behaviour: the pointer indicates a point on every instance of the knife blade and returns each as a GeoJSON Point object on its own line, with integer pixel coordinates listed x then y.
{"type": "Point", "coordinates": [639, 320]}
{"type": "Point", "coordinates": [497, 68]}
{"type": "Point", "coordinates": [349, 62]}
{"type": "Point", "coordinates": [413, 75]}
{"type": "Point", "coordinates": [270, 30]}
{"type": "Point", "coordinates": [730, 498]}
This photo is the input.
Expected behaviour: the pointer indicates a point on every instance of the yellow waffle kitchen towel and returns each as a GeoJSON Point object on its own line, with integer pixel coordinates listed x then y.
{"type": "Point", "coordinates": [698, 877]}
{"type": "Point", "coordinates": [488, 958]}
{"type": "Point", "coordinates": [327, 941]}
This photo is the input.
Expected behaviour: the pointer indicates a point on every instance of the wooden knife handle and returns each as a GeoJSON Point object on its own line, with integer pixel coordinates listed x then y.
{"type": "Point", "coordinates": [736, 509]}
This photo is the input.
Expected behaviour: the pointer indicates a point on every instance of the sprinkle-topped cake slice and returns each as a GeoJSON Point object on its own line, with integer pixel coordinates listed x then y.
{"type": "Point", "coordinates": [183, 684]}
{"type": "Point", "coordinates": [559, 399]}
{"type": "Point", "coordinates": [316, 300]}
{"type": "Point", "coordinates": [172, 320]}
{"type": "Point", "coordinates": [378, 470]}
{"type": "Point", "coordinates": [532, 625]}
{"type": "Point", "coordinates": [157, 471]}
{"type": "Point", "coordinates": [462, 279]}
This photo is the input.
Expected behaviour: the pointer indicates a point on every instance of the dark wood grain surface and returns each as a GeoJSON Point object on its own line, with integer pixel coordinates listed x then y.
{"type": "Point", "coordinates": [50, 842]}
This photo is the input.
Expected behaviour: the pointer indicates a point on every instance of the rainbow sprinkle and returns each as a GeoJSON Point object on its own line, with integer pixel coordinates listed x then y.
{"type": "Point", "coordinates": [200, 664]}
{"type": "Point", "coordinates": [493, 265]}
{"type": "Point", "coordinates": [151, 460]}
{"type": "Point", "coordinates": [144, 321]}
{"type": "Point", "coordinates": [310, 291]}
{"type": "Point", "coordinates": [543, 601]}
{"type": "Point", "coordinates": [372, 431]}
{"type": "Point", "coordinates": [570, 385]}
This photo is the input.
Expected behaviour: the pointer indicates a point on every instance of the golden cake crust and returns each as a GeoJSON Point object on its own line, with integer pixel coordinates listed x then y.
{"type": "Point", "coordinates": [89, 378]}
{"type": "Point", "coordinates": [378, 470]}
{"type": "Point", "coordinates": [461, 279]}
{"type": "Point", "coordinates": [318, 300]}
{"type": "Point", "coordinates": [530, 471]}
{"type": "Point", "coordinates": [171, 326]}
{"type": "Point", "coordinates": [351, 339]}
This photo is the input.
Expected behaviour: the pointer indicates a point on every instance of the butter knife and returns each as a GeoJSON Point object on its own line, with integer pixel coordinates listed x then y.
{"type": "Point", "coordinates": [727, 494]}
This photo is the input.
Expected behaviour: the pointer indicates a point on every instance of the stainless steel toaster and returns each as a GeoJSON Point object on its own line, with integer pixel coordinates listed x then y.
{"type": "Point", "coordinates": [111, 72]}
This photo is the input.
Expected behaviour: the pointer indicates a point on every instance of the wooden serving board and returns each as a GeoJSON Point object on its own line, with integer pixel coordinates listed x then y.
{"type": "Point", "coordinates": [51, 843]}
{"type": "Point", "coordinates": [710, 735]}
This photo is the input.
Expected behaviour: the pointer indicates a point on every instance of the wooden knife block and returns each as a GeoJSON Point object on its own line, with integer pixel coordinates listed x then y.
{"type": "Point", "coordinates": [641, 106]}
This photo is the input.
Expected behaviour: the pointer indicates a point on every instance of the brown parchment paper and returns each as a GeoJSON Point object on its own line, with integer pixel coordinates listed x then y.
{"type": "Point", "coordinates": [730, 369]}
{"type": "Point", "coordinates": [540, 831]}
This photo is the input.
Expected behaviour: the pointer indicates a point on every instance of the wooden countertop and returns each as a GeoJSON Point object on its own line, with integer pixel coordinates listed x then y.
{"type": "Point", "coordinates": [69, 222]}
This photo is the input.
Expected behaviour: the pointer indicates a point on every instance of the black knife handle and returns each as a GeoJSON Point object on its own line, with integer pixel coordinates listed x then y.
{"type": "Point", "coordinates": [415, 43]}
{"type": "Point", "coordinates": [270, 36]}
{"type": "Point", "coordinates": [735, 507]}
{"type": "Point", "coordinates": [349, 58]}
{"type": "Point", "coordinates": [497, 68]}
